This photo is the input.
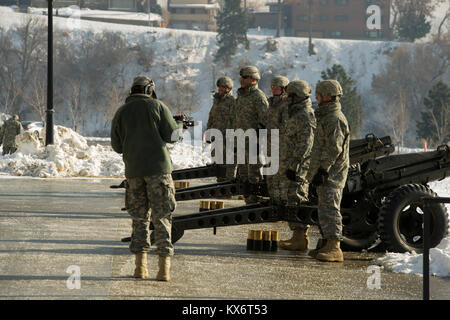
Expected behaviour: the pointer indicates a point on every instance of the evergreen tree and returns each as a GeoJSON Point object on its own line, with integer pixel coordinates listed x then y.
{"type": "Point", "coordinates": [412, 26]}
{"type": "Point", "coordinates": [350, 100]}
{"type": "Point", "coordinates": [434, 125]}
{"type": "Point", "coordinates": [232, 29]}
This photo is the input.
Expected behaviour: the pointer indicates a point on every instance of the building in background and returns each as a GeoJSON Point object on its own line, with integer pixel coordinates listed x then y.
{"type": "Point", "coordinates": [344, 19]}
{"type": "Point", "coordinates": [120, 5]}
{"type": "Point", "coordinates": [193, 14]}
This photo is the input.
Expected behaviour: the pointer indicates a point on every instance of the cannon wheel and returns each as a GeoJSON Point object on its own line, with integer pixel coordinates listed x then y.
{"type": "Point", "coordinates": [359, 224]}
{"type": "Point", "coordinates": [176, 235]}
{"type": "Point", "coordinates": [400, 221]}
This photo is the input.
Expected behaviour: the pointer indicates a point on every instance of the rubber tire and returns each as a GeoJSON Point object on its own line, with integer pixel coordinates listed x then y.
{"type": "Point", "coordinates": [356, 245]}
{"type": "Point", "coordinates": [389, 213]}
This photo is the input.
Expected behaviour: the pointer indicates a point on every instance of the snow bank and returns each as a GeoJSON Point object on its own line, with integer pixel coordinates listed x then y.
{"type": "Point", "coordinates": [71, 156]}
{"type": "Point", "coordinates": [412, 263]}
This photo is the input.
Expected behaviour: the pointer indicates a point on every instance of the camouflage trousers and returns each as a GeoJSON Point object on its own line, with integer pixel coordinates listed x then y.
{"type": "Point", "coordinates": [286, 192]}
{"type": "Point", "coordinates": [9, 149]}
{"type": "Point", "coordinates": [157, 193]}
{"type": "Point", "coordinates": [330, 219]}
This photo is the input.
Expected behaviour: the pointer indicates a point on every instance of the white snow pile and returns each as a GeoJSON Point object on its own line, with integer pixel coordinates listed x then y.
{"type": "Point", "coordinates": [71, 156]}
{"type": "Point", "coordinates": [412, 263]}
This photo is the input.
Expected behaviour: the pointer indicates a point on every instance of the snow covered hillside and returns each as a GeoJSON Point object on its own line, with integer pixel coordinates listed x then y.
{"type": "Point", "coordinates": [187, 56]}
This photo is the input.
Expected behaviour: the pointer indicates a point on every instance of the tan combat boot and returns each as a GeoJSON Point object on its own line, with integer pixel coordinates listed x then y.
{"type": "Point", "coordinates": [141, 271]}
{"type": "Point", "coordinates": [313, 253]}
{"type": "Point", "coordinates": [298, 242]}
{"type": "Point", "coordinates": [164, 269]}
{"type": "Point", "coordinates": [331, 252]}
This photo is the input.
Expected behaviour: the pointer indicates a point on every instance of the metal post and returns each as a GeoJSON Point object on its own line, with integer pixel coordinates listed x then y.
{"type": "Point", "coordinates": [279, 19]}
{"type": "Point", "coordinates": [426, 252]}
{"type": "Point", "coordinates": [49, 123]}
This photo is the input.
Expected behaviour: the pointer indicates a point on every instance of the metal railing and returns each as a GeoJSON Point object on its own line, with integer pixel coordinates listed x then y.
{"type": "Point", "coordinates": [426, 242]}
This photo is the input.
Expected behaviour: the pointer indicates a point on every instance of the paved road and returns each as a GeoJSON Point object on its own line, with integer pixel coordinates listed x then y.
{"type": "Point", "coordinates": [52, 230]}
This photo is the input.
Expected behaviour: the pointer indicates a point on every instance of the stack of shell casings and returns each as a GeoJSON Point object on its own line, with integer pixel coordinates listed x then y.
{"type": "Point", "coordinates": [259, 240]}
{"type": "Point", "coordinates": [211, 205]}
{"type": "Point", "coordinates": [181, 184]}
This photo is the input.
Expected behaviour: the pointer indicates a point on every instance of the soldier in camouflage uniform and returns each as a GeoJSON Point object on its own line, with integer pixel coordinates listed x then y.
{"type": "Point", "coordinates": [251, 108]}
{"type": "Point", "coordinates": [221, 117]}
{"type": "Point", "coordinates": [276, 114]}
{"type": "Point", "coordinates": [8, 132]}
{"type": "Point", "coordinates": [140, 130]}
{"type": "Point", "coordinates": [329, 167]}
{"type": "Point", "coordinates": [290, 187]}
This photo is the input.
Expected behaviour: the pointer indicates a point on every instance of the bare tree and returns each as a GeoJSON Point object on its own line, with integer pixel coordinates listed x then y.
{"type": "Point", "coordinates": [19, 60]}
{"type": "Point", "coordinates": [426, 7]}
{"type": "Point", "coordinates": [395, 118]}
{"type": "Point", "coordinates": [37, 95]}
{"type": "Point", "coordinates": [180, 96]}
{"type": "Point", "coordinates": [443, 26]}
{"type": "Point", "coordinates": [87, 72]}
{"type": "Point", "coordinates": [114, 97]}
{"type": "Point", "coordinates": [411, 70]}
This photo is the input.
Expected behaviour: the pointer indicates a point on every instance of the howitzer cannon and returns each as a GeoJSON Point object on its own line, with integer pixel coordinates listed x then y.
{"type": "Point", "coordinates": [381, 201]}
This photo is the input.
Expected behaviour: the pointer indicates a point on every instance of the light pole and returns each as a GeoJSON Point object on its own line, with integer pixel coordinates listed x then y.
{"type": "Point", "coordinates": [279, 19]}
{"type": "Point", "coordinates": [49, 122]}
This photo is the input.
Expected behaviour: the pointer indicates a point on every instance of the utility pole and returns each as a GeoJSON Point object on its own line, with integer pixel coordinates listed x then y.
{"type": "Point", "coordinates": [310, 17]}
{"type": "Point", "coordinates": [50, 111]}
{"type": "Point", "coordinates": [279, 19]}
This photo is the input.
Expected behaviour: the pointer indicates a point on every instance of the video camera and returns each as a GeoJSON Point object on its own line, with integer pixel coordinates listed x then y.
{"type": "Point", "coordinates": [187, 121]}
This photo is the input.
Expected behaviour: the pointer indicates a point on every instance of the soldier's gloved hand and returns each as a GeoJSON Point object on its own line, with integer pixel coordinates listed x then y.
{"type": "Point", "coordinates": [291, 175]}
{"type": "Point", "coordinates": [320, 178]}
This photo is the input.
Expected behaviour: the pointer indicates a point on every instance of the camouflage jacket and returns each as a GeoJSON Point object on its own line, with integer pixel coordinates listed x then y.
{"type": "Point", "coordinates": [10, 129]}
{"type": "Point", "coordinates": [222, 114]}
{"type": "Point", "coordinates": [297, 137]}
{"type": "Point", "coordinates": [331, 145]}
{"type": "Point", "coordinates": [251, 108]}
{"type": "Point", "coordinates": [277, 107]}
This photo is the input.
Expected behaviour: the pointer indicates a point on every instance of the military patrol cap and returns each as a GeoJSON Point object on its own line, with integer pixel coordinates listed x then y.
{"type": "Point", "coordinates": [250, 71]}
{"type": "Point", "coordinates": [329, 88]}
{"type": "Point", "coordinates": [225, 82]}
{"type": "Point", "coordinates": [280, 81]}
{"type": "Point", "coordinates": [300, 88]}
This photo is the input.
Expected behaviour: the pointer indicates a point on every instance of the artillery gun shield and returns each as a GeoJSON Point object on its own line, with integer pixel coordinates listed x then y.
{"type": "Point", "coordinates": [400, 221]}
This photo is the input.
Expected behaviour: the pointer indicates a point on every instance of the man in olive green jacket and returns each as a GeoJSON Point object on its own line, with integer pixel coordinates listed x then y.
{"type": "Point", "coordinates": [140, 130]}
{"type": "Point", "coordinates": [329, 167]}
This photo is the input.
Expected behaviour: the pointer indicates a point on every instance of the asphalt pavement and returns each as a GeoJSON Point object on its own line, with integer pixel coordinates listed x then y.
{"type": "Point", "coordinates": [60, 240]}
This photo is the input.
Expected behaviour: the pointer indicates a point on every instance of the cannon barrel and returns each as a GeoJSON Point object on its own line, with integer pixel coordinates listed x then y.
{"type": "Point", "coordinates": [396, 170]}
